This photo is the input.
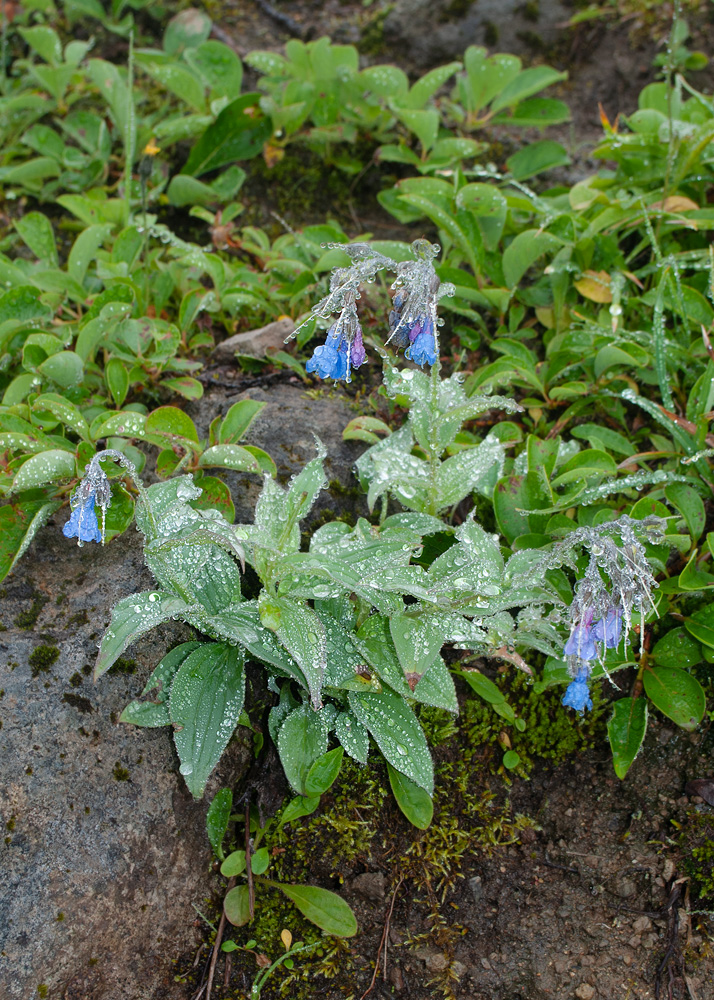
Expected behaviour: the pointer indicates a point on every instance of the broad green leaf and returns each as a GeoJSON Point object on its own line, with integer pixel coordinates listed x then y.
{"type": "Point", "coordinates": [229, 456]}
{"type": "Point", "coordinates": [701, 625]}
{"type": "Point", "coordinates": [688, 502]}
{"type": "Point", "coordinates": [63, 410]}
{"type": "Point", "coordinates": [236, 906]}
{"type": "Point", "coordinates": [353, 736]}
{"type": "Point", "coordinates": [45, 467]}
{"type": "Point", "coordinates": [302, 740]}
{"type": "Point", "coordinates": [321, 907]}
{"type": "Point", "coordinates": [237, 134]}
{"type": "Point", "coordinates": [155, 712]}
{"type": "Point", "coordinates": [65, 368]}
{"type": "Point", "coordinates": [238, 419]}
{"type": "Point", "coordinates": [19, 523]}
{"type": "Point", "coordinates": [677, 649]}
{"type": "Point", "coordinates": [169, 423]}
{"type": "Point", "coordinates": [301, 805]}
{"type": "Point", "coordinates": [414, 802]}
{"type": "Point", "coordinates": [217, 818]}
{"type": "Point", "coordinates": [528, 82]}
{"type": "Point", "coordinates": [260, 861]}
{"type": "Point", "coordinates": [397, 733]}
{"type": "Point", "coordinates": [323, 773]}
{"type": "Point", "coordinates": [131, 618]}
{"type": "Point", "coordinates": [186, 30]}
{"type": "Point", "coordinates": [520, 493]}
{"type": "Point", "coordinates": [205, 703]}
{"type": "Point", "coordinates": [676, 694]}
{"type": "Point", "coordinates": [626, 731]}
{"type": "Point", "coordinates": [523, 251]}
{"type": "Point", "coordinates": [219, 66]}
{"type": "Point", "coordinates": [117, 378]}
{"type": "Point", "coordinates": [36, 231]}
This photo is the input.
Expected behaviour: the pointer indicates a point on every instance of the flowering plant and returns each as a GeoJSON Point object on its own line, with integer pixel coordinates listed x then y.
{"type": "Point", "coordinates": [351, 630]}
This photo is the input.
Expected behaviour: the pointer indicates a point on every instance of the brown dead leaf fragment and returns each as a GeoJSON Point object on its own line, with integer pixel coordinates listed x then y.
{"type": "Point", "coordinates": [703, 787]}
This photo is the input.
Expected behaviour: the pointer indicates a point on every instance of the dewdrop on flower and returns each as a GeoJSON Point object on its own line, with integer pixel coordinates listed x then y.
{"type": "Point", "coordinates": [617, 582]}
{"type": "Point", "coordinates": [343, 349]}
{"type": "Point", "coordinates": [413, 319]}
{"type": "Point", "coordinates": [94, 490]}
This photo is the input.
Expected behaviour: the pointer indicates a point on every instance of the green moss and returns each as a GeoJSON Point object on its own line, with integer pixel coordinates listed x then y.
{"type": "Point", "coordinates": [76, 679]}
{"type": "Point", "coordinates": [83, 705]}
{"type": "Point", "coordinates": [119, 772]}
{"type": "Point", "coordinates": [28, 619]}
{"type": "Point", "coordinates": [123, 666]}
{"type": "Point", "coordinates": [696, 842]}
{"type": "Point", "coordinates": [42, 658]}
{"type": "Point", "coordinates": [372, 41]}
{"type": "Point", "coordinates": [79, 619]}
{"type": "Point", "coordinates": [11, 823]}
{"type": "Point", "coordinates": [43, 990]}
{"type": "Point", "coordinates": [490, 34]}
{"type": "Point", "coordinates": [531, 10]}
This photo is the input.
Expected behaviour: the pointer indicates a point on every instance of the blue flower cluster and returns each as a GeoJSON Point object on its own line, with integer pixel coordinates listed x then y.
{"type": "Point", "coordinates": [582, 646]}
{"type": "Point", "coordinates": [83, 524]}
{"type": "Point", "coordinates": [416, 338]}
{"type": "Point", "coordinates": [337, 356]}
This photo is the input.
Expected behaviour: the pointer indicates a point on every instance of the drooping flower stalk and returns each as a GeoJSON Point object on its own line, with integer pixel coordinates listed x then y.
{"type": "Point", "coordinates": [95, 490]}
{"type": "Point", "coordinates": [413, 320]}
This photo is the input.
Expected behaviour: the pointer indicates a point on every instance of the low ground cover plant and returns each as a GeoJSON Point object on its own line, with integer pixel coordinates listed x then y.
{"type": "Point", "coordinates": [538, 473]}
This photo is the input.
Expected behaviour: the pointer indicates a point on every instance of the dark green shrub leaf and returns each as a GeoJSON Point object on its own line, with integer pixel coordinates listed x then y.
{"type": "Point", "coordinates": [676, 694]}
{"type": "Point", "coordinates": [626, 731]}
{"type": "Point", "coordinates": [323, 772]}
{"type": "Point", "coordinates": [415, 803]}
{"type": "Point", "coordinates": [320, 906]}
{"type": "Point", "coordinates": [217, 817]}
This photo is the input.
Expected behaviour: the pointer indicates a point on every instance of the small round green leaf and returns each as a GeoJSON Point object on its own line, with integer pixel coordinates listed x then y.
{"type": "Point", "coordinates": [234, 864]}
{"type": "Point", "coordinates": [236, 906]}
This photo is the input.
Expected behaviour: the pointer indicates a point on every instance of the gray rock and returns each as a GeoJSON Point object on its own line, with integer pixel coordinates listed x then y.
{"type": "Point", "coordinates": [370, 885]}
{"type": "Point", "coordinates": [254, 342]}
{"type": "Point", "coordinates": [105, 851]}
{"type": "Point", "coordinates": [428, 32]}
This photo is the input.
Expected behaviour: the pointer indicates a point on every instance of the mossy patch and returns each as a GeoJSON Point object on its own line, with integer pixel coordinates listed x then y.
{"type": "Point", "coordinates": [28, 619]}
{"type": "Point", "coordinates": [123, 666]}
{"type": "Point", "coordinates": [42, 658]}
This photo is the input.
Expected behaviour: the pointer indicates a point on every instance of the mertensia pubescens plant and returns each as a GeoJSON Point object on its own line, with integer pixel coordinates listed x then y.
{"type": "Point", "coordinates": [351, 630]}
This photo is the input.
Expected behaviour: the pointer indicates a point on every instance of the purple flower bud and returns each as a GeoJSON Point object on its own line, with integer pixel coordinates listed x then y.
{"type": "Point", "coordinates": [415, 331]}
{"type": "Point", "coordinates": [82, 523]}
{"type": "Point", "coordinates": [609, 628]}
{"type": "Point", "coordinates": [581, 643]}
{"type": "Point", "coordinates": [358, 355]}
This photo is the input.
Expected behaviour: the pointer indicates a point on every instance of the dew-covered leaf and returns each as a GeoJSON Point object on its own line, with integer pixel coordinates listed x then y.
{"type": "Point", "coordinates": [131, 618]}
{"type": "Point", "coordinates": [676, 694]}
{"type": "Point", "coordinates": [353, 736]}
{"type": "Point", "coordinates": [302, 633]}
{"type": "Point", "coordinates": [217, 818]}
{"type": "Point", "coordinates": [476, 468]}
{"type": "Point", "coordinates": [205, 703]}
{"type": "Point", "coordinates": [45, 467]}
{"type": "Point", "coordinates": [302, 739]}
{"type": "Point", "coordinates": [397, 733]}
{"type": "Point", "coordinates": [19, 523]}
{"type": "Point", "coordinates": [155, 712]}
